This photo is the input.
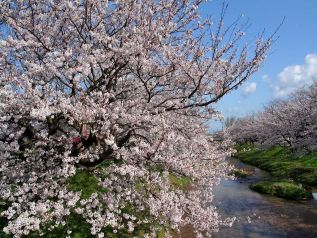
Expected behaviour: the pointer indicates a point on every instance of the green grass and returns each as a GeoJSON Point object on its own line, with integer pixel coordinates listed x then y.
{"type": "Point", "coordinates": [239, 173]}
{"type": "Point", "coordinates": [282, 188]}
{"type": "Point", "coordinates": [243, 146]}
{"type": "Point", "coordinates": [180, 182]}
{"type": "Point", "coordinates": [282, 163]}
{"type": "Point", "coordinates": [86, 183]}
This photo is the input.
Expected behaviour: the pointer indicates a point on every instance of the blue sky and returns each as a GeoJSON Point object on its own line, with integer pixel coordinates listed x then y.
{"type": "Point", "coordinates": [292, 61]}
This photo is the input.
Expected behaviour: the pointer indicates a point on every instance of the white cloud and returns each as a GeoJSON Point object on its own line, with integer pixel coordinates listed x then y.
{"type": "Point", "coordinates": [296, 76]}
{"type": "Point", "coordinates": [249, 89]}
{"type": "Point", "coordinates": [266, 78]}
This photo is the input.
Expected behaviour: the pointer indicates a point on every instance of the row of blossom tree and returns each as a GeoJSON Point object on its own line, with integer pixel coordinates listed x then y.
{"type": "Point", "coordinates": [122, 90]}
{"type": "Point", "coordinates": [290, 122]}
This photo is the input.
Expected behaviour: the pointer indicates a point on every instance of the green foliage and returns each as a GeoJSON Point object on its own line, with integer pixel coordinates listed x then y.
{"type": "Point", "coordinates": [85, 182]}
{"type": "Point", "coordinates": [282, 188]}
{"type": "Point", "coordinates": [282, 163]}
{"type": "Point", "coordinates": [161, 233]}
{"type": "Point", "coordinates": [180, 182]}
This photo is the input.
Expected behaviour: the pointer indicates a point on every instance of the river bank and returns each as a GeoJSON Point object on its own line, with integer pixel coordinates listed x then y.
{"type": "Point", "coordinates": [293, 175]}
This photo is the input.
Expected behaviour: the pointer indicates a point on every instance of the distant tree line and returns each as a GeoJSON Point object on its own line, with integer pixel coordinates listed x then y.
{"type": "Point", "coordinates": [290, 122]}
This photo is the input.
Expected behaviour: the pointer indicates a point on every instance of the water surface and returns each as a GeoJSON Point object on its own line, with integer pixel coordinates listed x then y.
{"type": "Point", "coordinates": [262, 215]}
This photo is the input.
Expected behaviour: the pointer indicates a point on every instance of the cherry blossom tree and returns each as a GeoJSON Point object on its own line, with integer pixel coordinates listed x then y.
{"type": "Point", "coordinates": [120, 90]}
{"type": "Point", "coordinates": [304, 120]}
{"type": "Point", "coordinates": [242, 130]}
{"type": "Point", "coordinates": [287, 122]}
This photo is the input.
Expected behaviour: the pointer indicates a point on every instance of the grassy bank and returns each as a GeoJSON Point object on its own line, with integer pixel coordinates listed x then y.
{"type": "Point", "coordinates": [282, 188]}
{"type": "Point", "coordinates": [287, 168]}
{"type": "Point", "coordinates": [240, 173]}
{"type": "Point", "coordinates": [282, 163]}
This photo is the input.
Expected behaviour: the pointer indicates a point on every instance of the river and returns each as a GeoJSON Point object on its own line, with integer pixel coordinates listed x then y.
{"type": "Point", "coordinates": [262, 215]}
{"type": "Point", "coordinates": [259, 215]}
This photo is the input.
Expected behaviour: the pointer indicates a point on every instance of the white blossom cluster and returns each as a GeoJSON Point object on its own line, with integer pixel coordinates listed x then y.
{"type": "Point", "coordinates": [121, 90]}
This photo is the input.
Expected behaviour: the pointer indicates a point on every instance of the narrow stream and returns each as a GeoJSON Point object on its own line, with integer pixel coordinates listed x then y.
{"type": "Point", "coordinates": [261, 215]}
